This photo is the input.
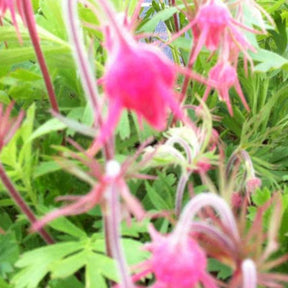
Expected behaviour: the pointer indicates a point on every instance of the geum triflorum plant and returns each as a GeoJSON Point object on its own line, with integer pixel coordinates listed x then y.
{"type": "Point", "coordinates": [139, 78]}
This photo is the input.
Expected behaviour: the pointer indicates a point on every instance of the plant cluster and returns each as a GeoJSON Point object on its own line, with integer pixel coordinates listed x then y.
{"type": "Point", "coordinates": [166, 146]}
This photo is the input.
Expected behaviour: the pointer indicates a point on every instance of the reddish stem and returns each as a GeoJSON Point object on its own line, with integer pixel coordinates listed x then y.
{"type": "Point", "coordinates": [15, 195]}
{"type": "Point", "coordinates": [175, 17]}
{"type": "Point", "coordinates": [30, 22]}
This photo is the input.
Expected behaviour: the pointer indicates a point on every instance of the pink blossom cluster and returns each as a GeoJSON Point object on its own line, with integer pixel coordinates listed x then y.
{"type": "Point", "coordinates": [220, 27]}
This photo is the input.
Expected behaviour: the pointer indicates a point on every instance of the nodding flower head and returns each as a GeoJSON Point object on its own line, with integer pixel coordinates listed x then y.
{"type": "Point", "coordinates": [212, 19]}
{"type": "Point", "coordinates": [177, 263]}
{"type": "Point", "coordinates": [141, 80]}
{"type": "Point", "coordinates": [137, 77]}
{"type": "Point", "coordinates": [219, 30]}
{"type": "Point", "coordinates": [225, 75]}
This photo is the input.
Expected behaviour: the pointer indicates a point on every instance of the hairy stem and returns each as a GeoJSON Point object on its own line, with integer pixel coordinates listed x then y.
{"type": "Point", "coordinates": [30, 22]}
{"type": "Point", "coordinates": [180, 192]}
{"type": "Point", "coordinates": [112, 225]}
{"type": "Point", "coordinates": [19, 201]}
{"type": "Point", "coordinates": [82, 60]}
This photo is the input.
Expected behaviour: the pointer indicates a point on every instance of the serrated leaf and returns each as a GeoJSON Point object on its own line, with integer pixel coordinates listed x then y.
{"type": "Point", "coordinates": [69, 265]}
{"type": "Point", "coordinates": [36, 264]}
{"type": "Point", "coordinates": [93, 279]}
{"type": "Point", "coordinates": [103, 266]}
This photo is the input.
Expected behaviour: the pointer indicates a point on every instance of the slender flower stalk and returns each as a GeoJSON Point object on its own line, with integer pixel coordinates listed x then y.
{"type": "Point", "coordinates": [28, 17]}
{"type": "Point", "coordinates": [82, 60]}
{"type": "Point", "coordinates": [203, 200]}
{"type": "Point", "coordinates": [113, 218]}
{"type": "Point", "coordinates": [20, 202]}
{"type": "Point", "coordinates": [180, 192]}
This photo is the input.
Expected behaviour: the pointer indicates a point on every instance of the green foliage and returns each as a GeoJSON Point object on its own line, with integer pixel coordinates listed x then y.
{"type": "Point", "coordinates": [63, 260]}
{"type": "Point", "coordinates": [222, 271]}
{"type": "Point", "coordinates": [78, 258]}
{"type": "Point", "coordinates": [9, 253]}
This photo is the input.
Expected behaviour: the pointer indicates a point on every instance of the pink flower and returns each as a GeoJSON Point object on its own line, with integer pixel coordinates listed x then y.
{"type": "Point", "coordinates": [212, 19]}
{"type": "Point", "coordinates": [225, 75]}
{"type": "Point", "coordinates": [142, 80]}
{"type": "Point", "coordinates": [175, 263]}
{"type": "Point", "coordinates": [138, 78]}
{"type": "Point", "coordinates": [218, 29]}
{"type": "Point", "coordinates": [252, 184]}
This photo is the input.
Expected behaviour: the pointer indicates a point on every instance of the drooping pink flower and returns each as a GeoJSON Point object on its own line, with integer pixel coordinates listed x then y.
{"type": "Point", "coordinates": [141, 80]}
{"type": "Point", "coordinates": [225, 75]}
{"type": "Point", "coordinates": [252, 184]}
{"type": "Point", "coordinates": [214, 27]}
{"type": "Point", "coordinates": [138, 78]}
{"type": "Point", "coordinates": [175, 263]}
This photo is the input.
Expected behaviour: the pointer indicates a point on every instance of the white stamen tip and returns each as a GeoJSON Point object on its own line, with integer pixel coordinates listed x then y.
{"type": "Point", "coordinates": [113, 168]}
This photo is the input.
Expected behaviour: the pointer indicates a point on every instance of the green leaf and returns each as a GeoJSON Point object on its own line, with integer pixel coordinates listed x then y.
{"type": "Point", "coordinates": [66, 226]}
{"type": "Point", "coordinates": [92, 279]}
{"type": "Point", "coordinates": [45, 168]}
{"type": "Point", "coordinates": [36, 264]}
{"type": "Point", "coordinates": [134, 251]}
{"type": "Point", "coordinates": [52, 19]}
{"type": "Point", "coordinates": [157, 201]}
{"type": "Point", "coordinates": [123, 126]}
{"type": "Point", "coordinates": [69, 282]}
{"type": "Point", "coordinates": [48, 127]}
{"type": "Point", "coordinates": [12, 56]}
{"type": "Point", "coordinates": [223, 271]}
{"type": "Point", "coordinates": [260, 197]}
{"type": "Point", "coordinates": [269, 61]}
{"type": "Point", "coordinates": [4, 284]}
{"type": "Point", "coordinates": [183, 43]}
{"type": "Point", "coordinates": [161, 16]}
{"type": "Point", "coordinates": [102, 265]}
{"type": "Point", "coordinates": [9, 252]}
{"type": "Point", "coordinates": [69, 265]}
